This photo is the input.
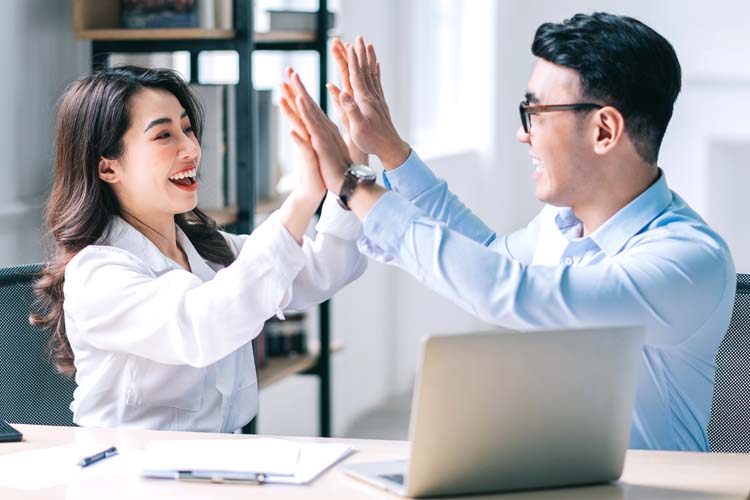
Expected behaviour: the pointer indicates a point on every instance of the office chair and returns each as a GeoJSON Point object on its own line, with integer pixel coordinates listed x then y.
{"type": "Point", "coordinates": [31, 391]}
{"type": "Point", "coordinates": [729, 427]}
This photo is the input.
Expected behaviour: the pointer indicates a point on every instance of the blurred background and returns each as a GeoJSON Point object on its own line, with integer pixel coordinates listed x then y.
{"type": "Point", "coordinates": [454, 72]}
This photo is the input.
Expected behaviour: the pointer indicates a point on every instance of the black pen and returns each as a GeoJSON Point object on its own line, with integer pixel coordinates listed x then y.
{"type": "Point", "coordinates": [86, 461]}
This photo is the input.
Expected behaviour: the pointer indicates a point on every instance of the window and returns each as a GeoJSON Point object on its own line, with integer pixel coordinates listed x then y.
{"type": "Point", "coordinates": [450, 72]}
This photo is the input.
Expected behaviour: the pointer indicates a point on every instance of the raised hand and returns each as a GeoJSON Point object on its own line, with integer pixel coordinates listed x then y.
{"type": "Point", "coordinates": [310, 181]}
{"type": "Point", "coordinates": [311, 122]}
{"type": "Point", "coordinates": [339, 54]}
{"type": "Point", "coordinates": [370, 124]}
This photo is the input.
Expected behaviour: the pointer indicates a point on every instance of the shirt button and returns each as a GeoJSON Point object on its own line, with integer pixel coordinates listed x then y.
{"type": "Point", "coordinates": [568, 261]}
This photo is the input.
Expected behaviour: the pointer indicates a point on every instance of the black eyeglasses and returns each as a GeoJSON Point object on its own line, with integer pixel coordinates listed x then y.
{"type": "Point", "coordinates": [526, 111]}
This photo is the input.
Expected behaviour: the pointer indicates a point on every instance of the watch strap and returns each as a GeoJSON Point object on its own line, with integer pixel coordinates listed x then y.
{"type": "Point", "coordinates": [347, 189]}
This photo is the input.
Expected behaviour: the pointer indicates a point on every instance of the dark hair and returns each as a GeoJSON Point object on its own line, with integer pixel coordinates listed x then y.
{"type": "Point", "coordinates": [622, 63]}
{"type": "Point", "coordinates": [92, 119]}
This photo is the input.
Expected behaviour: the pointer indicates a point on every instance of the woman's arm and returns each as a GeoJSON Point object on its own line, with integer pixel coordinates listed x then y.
{"type": "Point", "coordinates": [118, 304]}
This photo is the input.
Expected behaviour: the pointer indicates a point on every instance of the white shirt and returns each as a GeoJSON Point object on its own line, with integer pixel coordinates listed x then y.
{"type": "Point", "coordinates": [159, 347]}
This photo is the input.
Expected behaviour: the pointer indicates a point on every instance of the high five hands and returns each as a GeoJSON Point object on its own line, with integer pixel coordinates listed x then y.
{"type": "Point", "coordinates": [367, 121]}
{"type": "Point", "coordinates": [362, 104]}
{"type": "Point", "coordinates": [312, 127]}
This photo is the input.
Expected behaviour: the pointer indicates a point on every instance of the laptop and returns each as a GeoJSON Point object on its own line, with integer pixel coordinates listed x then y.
{"type": "Point", "coordinates": [501, 410]}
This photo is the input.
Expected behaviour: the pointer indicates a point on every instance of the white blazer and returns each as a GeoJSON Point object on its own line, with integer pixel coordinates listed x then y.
{"type": "Point", "coordinates": [158, 347]}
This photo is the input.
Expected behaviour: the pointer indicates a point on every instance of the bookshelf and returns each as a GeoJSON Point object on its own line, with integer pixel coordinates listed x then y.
{"type": "Point", "coordinates": [153, 34]}
{"type": "Point", "coordinates": [188, 33]}
{"type": "Point", "coordinates": [278, 369]}
{"type": "Point", "coordinates": [98, 21]}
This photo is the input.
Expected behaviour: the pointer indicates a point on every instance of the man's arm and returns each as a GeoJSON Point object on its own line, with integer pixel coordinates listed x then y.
{"type": "Point", "coordinates": [670, 285]}
{"type": "Point", "coordinates": [417, 183]}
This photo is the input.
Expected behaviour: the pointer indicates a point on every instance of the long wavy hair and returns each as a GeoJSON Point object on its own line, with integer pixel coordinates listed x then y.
{"type": "Point", "coordinates": [92, 119]}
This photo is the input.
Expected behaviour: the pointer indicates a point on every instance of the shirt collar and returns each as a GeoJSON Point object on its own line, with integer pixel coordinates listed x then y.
{"type": "Point", "coordinates": [124, 236]}
{"type": "Point", "coordinates": [612, 236]}
{"type": "Point", "coordinates": [630, 219]}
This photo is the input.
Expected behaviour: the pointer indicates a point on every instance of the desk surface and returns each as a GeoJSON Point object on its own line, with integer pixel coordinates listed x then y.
{"type": "Point", "coordinates": [648, 474]}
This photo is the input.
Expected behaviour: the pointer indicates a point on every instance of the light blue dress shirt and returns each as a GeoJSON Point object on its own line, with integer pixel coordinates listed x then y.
{"type": "Point", "coordinates": [655, 263]}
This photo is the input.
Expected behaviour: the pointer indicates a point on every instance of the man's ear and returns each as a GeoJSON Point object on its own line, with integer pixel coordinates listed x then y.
{"type": "Point", "coordinates": [609, 129]}
{"type": "Point", "coordinates": [108, 171]}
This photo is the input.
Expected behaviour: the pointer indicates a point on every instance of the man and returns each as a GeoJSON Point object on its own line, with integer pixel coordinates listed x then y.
{"type": "Point", "coordinates": [612, 246]}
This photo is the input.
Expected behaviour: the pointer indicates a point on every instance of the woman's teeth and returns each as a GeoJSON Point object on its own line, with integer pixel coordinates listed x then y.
{"type": "Point", "coordinates": [183, 175]}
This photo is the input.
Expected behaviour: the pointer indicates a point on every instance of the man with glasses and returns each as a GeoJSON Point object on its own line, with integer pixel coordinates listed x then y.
{"type": "Point", "coordinates": [613, 245]}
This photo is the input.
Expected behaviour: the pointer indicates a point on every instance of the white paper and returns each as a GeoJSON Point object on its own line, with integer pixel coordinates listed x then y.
{"type": "Point", "coordinates": [56, 466]}
{"type": "Point", "coordinates": [261, 455]}
{"type": "Point", "coordinates": [315, 458]}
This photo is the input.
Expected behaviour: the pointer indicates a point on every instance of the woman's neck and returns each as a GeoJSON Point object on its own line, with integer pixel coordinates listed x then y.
{"type": "Point", "coordinates": [161, 231]}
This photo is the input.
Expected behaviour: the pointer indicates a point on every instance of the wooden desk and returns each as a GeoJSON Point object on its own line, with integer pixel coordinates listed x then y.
{"type": "Point", "coordinates": [648, 474]}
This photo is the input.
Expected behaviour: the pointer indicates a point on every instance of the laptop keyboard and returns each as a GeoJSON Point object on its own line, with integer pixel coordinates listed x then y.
{"type": "Point", "coordinates": [395, 478]}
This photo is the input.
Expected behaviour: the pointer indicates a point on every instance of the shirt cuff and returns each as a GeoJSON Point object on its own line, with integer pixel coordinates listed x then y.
{"type": "Point", "coordinates": [385, 226]}
{"type": "Point", "coordinates": [338, 222]}
{"type": "Point", "coordinates": [275, 241]}
{"type": "Point", "coordinates": [411, 178]}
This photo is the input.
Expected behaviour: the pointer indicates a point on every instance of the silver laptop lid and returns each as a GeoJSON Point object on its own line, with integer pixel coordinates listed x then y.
{"type": "Point", "coordinates": [508, 410]}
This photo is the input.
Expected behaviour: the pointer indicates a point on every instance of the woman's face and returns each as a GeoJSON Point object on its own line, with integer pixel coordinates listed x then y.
{"type": "Point", "coordinates": [156, 173]}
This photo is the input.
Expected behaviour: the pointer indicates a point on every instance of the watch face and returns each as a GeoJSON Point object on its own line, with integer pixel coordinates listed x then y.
{"type": "Point", "coordinates": [362, 171]}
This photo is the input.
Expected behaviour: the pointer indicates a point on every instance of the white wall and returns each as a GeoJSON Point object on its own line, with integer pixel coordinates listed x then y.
{"type": "Point", "coordinates": [40, 57]}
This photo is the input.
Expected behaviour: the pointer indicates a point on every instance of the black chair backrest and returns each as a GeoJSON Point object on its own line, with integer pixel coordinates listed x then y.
{"type": "Point", "coordinates": [729, 427]}
{"type": "Point", "coordinates": [31, 391]}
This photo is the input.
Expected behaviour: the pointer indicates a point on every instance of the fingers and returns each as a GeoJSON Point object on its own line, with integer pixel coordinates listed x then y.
{"type": "Point", "coordinates": [362, 60]}
{"type": "Point", "coordinates": [299, 87]}
{"type": "Point", "coordinates": [350, 107]}
{"type": "Point", "coordinates": [374, 65]}
{"type": "Point", "coordinates": [293, 116]}
{"type": "Point", "coordinates": [288, 92]}
{"type": "Point", "coordinates": [302, 143]}
{"type": "Point", "coordinates": [339, 54]}
{"type": "Point", "coordinates": [316, 122]}
{"type": "Point", "coordinates": [372, 60]}
{"type": "Point", "coordinates": [309, 116]}
{"type": "Point", "coordinates": [289, 95]}
{"type": "Point", "coordinates": [310, 112]}
{"type": "Point", "coordinates": [355, 75]}
{"type": "Point", "coordinates": [335, 93]}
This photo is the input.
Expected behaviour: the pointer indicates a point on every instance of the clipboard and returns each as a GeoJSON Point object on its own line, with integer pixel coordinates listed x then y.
{"type": "Point", "coordinates": [217, 477]}
{"type": "Point", "coordinates": [241, 461]}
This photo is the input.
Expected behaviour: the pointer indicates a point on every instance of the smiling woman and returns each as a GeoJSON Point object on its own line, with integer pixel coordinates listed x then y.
{"type": "Point", "coordinates": [148, 303]}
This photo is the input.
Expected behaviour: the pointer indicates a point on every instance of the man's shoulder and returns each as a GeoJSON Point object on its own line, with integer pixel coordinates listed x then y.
{"type": "Point", "coordinates": [679, 221]}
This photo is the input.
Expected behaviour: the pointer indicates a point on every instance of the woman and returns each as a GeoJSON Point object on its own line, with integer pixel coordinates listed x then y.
{"type": "Point", "coordinates": [149, 304]}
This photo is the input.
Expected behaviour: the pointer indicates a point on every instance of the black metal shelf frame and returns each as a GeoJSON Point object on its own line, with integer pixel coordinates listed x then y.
{"type": "Point", "coordinates": [244, 45]}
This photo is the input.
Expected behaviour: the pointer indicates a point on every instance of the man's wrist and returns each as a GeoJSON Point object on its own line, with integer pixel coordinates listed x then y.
{"type": "Point", "coordinates": [395, 156]}
{"type": "Point", "coordinates": [364, 198]}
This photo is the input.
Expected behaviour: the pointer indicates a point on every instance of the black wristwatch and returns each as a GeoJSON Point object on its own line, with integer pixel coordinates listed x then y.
{"type": "Point", "coordinates": [354, 176]}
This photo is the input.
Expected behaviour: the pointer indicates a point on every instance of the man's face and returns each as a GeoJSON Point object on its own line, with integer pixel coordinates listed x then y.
{"type": "Point", "coordinates": [560, 146]}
